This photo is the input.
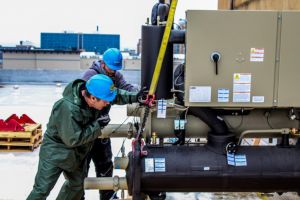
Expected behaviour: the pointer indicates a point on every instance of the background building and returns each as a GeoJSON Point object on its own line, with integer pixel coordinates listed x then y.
{"type": "Point", "coordinates": [39, 59]}
{"type": "Point", "coordinates": [80, 41]}
{"type": "Point", "coordinates": [139, 47]}
{"type": "Point", "coordinates": [1, 58]}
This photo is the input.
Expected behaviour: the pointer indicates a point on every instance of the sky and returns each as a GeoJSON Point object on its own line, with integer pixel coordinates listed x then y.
{"type": "Point", "coordinates": [24, 20]}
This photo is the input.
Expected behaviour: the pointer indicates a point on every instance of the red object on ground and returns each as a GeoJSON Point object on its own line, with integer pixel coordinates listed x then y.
{"type": "Point", "coordinates": [24, 119]}
{"type": "Point", "coordinates": [10, 125]}
{"type": "Point", "coordinates": [14, 123]}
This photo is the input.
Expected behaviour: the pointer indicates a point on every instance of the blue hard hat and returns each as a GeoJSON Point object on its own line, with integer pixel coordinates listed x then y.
{"type": "Point", "coordinates": [102, 87]}
{"type": "Point", "coordinates": [113, 58]}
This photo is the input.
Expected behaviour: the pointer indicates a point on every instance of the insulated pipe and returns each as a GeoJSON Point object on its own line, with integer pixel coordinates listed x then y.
{"type": "Point", "coordinates": [198, 169]}
{"type": "Point", "coordinates": [195, 128]}
{"type": "Point", "coordinates": [208, 116]}
{"type": "Point", "coordinates": [134, 110]}
{"type": "Point", "coordinates": [256, 121]}
{"type": "Point", "coordinates": [117, 130]}
{"type": "Point", "coordinates": [106, 183]}
{"type": "Point", "coordinates": [165, 127]}
{"type": "Point", "coordinates": [151, 42]}
{"type": "Point", "coordinates": [177, 37]}
{"type": "Point", "coordinates": [271, 133]}
{"type": "Point", "coordinates": [163, 11]}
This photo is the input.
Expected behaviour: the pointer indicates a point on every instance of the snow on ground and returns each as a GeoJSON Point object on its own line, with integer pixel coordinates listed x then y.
{"type": "Point", "coordinates": [17, 170]}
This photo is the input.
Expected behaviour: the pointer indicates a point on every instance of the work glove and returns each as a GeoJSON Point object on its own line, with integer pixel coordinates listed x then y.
{"type": "Point", "coordinates": [103, 120]}
{"type": "Point", "coordinates": [142, 95]}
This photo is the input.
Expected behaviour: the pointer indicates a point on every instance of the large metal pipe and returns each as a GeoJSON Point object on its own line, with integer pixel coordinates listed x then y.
{"type": "Point", "coordinates": [256, 119]}
{"type": "Point", "coordinates": [106, 183]}
{"type": "Point", "coordinates": [133, 110]}
{"type": "Point", "coordinates": [151, 41]}
{"type": "Point", "coordinates": [117, 130]}
{"type": "Point", "coordinates": [196, 129]}
{"type": "Point", "coordinates": [198, 169]}
{"type": "Point", "coordinates": [210, 117]}
{"type": "Point", "coordinates": [177, 37]}
{"type": "Point", "coordinates": [272, 133]}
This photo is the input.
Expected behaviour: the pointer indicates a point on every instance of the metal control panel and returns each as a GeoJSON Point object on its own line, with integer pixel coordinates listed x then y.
{"type": "Point", "coordinates": [289, 61]}
{"type": "Point", "coordinates": [241, 58]}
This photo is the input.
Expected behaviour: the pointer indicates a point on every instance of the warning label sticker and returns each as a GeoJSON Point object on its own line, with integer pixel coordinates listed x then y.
{"type": "Point", "coordinates": [257, 54]}
{"type": "Point", "coordinates": [241, 87]}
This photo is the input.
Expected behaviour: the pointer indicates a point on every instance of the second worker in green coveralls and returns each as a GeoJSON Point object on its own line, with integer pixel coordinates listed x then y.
{"type": "Point", "coordinates": [75, 122]}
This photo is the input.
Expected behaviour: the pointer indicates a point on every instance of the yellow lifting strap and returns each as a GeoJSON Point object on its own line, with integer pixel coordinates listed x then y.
{"type": "Point", "coordinates": [163, 47]}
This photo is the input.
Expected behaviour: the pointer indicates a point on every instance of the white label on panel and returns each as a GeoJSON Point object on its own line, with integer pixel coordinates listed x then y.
{"type": "Point", "coordinates": [162, 108]}
{"type": "Point", "coordinates": [244, 87]}
{"type": "Point", "coordinates": [258, 99]}
{"type": "Point", "coordinates": [242, 78]}
{"type": "Point", "coordinates": [241, 97]}
{"type": "Point", "coordinates": [241, 87]}
{"type": "Point", "coordinates": [149, 165]}
{"type": "Point", "coordinates": [160, 164]}
{"type": "Point", "coordinates": [200, 94]}
{"type": "Point", "coordinates": [206, 168]}
{"type": "Point", "coordinates": [223, 95]}
{"type": "Point", "coordinates": [257, 54]}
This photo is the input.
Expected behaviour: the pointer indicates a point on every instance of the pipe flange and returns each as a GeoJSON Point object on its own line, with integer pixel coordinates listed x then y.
{"type": "Point", "coordinates": [285, 131]}
{"type": "Point", "coordinates": [116, 181]}
{"type": "Point", "coordinates": [130, 131]}
{"type": "Point", "coordinates": [231, 147]}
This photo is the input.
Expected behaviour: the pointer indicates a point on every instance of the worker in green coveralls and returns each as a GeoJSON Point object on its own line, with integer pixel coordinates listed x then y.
{"type": "Point", "coordinates": [76, 121]}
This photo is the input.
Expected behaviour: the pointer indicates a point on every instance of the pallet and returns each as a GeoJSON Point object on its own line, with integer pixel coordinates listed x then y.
{"type": "Point", "coordinates": [21, 141]}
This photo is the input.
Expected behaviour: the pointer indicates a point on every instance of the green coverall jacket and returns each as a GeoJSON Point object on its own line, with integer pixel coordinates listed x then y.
{"type": "Point", "coordinates": [70, 133]}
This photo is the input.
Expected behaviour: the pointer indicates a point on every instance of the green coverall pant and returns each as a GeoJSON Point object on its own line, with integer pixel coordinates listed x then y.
{"type": "Point", "coordinates": [47, 177]}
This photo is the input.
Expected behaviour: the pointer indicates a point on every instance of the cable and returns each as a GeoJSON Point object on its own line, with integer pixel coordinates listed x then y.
{"type": "Point", "coordinates": [185, 115]}
{"type": "Point", "coordinates": [181, 91]}
{"type": "Point", "coordinates": [121, 147]}
{"type": "Point", "coordinates": [113, 195]}
{"type": "Point", "coordinates": [178, 26]}
{"type": "Point", "coordinates": [178, 107]}
{"type": "Point", "coordinates": [175, 81]}
{"type": "Point", "coordinates": [268, 120]}
{"type": "Point", "coordinates": [188, 141]}
{"type": "Point", "coordinates": [134, 111]}
{"type": "Point", "coordinates": [141, 129]}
